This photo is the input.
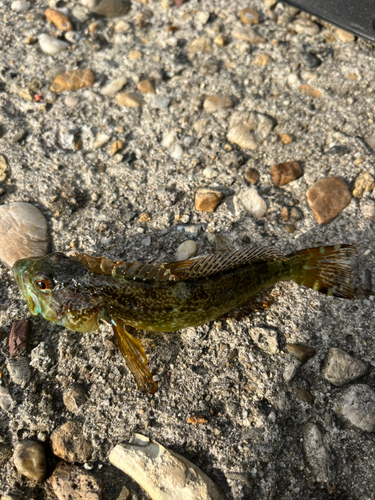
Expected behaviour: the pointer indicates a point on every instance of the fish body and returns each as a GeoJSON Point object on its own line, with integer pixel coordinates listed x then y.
{"type": "Point", "coordinates": [79, 291]}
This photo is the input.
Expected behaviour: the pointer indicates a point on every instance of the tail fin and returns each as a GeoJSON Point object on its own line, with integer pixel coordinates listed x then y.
{"type": "Point", "coordinates": [324, 269]}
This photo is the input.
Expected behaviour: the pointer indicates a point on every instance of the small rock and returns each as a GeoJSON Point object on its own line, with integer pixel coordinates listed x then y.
{"type": "Point", "coordinates": [146, 87]}
{"type": "Point", "coordinates": [210, 173]}
{"type": "Point", "coordinates": [69, 443]}
{"type": "Point", "coordinates": [193, 230]}
{"type": "Point", "coordinates": [26, 94]}
{"type": "Point", "coordinates": [113, 87]}
{"type": "Point", "coordinates": [73, 80]}
{"type": "Point", "coordinates": [168, 139]}
{"type": "Point", "coordinates": [315, 452]}
{"type": "Point", "coordinates": [116, 147]}
{"type": "Point", "coordinates": [291, 369]}
{"type": "Point", "coordinates": [111, 8]}
{"type": "Point", "coordinates": [176, 151]}
{"type": "Point", "coordinates": [253, 203]}
{"type": "Point", "coordinates": [19, 370]}
{"type": "Point", "coordinates": [58, 19]}
{"type": "Point", "coordinates": [234, 205]}
{"type": "Point", "coordinates": [248, 35]}
{"type": "Point", "coordinates": [248, 16]}
{"type": "Point", "coordinates": [220, 40]}
{"type": "Point", "coordinates": [197, 420]}
{"type": "Point", "coordinates": [249, 130]}
{"type": "Point", "coordinates": [310, 60]}
{"type": "Point", "coordinates": [130, 100]}
{"type": "Point", "coordinates": [356, 406]}
{"type": "Point", "coordinates": [364, 182]}
{"type": "Point", "coordinates": [30, 460]}
{"type": "Point", "coordinates": [162, 473]}
{"type": "Point", "coordinates": [295, 215]}
{"type": "Point", "coordinates": [101, 140]}
{"type": "Point", "coordinates": [6, 400]}
{"type": "Point", "coordinates": [328, 198]}
{"type": "Point", "coordinates": [217, 102]}
{"type": "Point", "coordinates": [284, 214]}
{"type": "Point", "coordinates": [202, 17]}
{"type": "Point", "coordinates": [286, 138]}
{"type": "Point", "coordinates": [340, 368]}
{"type": "Point", "coordinates": [206, 200]}
{"type": "Point", "coordinates": [71, 102]}
{"type": "Point", "coordinates": [50, 45]}
{"type": "Point", "coordinates": [290, 228]}
{"type": "Point", "coordinates": [19, 336]}
{"type": "Point", "coordinates": [368, 209]}
{"type": "Point", "coordinates": [70, 482]}
{"type": "Point", "coordinates": [306, 27]}
{"type": "Point", "coordinates": [20, 6]}
{"type": "Point", "coordinates": [344, 36]}
{"type": "Point", "coordinates": [309, 91]}
{"type": "Point", "coordinates": [261, 60]}
{"type": "Point", "coordinates": [186, 250]}
{"type": "Point", "coordinates": [370, 141]}
{"type": "Point", "coordinates": [301, 352]}
{"type": "Point", "coordinates": [134, 55]}
{"type": "Point", "coordinates": [304, 395]}
{"type": "Point", "coordinates": [23, 232]}
{"type": "Point", "coordinates": [160, 102]}
{"type": "Point", "coordinates": [283, 173]}
{"type": "Point", "coordinates": [42, 358]}
{"type": "Point", "coordinates": [251, 175]}
{"type": "Point", "coordinates": [200, 45]}
{"type": "Point", "coordinates": [266, 339]}
{"type": "Point", "coordinates": [244, 138]}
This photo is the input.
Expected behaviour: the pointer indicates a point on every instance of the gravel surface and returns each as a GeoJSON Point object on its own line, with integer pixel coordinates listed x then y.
{"type": "Point", "coordinates": [118, 176]}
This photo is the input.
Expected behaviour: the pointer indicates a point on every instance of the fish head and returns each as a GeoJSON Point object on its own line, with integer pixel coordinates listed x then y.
{"type": "Point", "coordinates": [61, 289]}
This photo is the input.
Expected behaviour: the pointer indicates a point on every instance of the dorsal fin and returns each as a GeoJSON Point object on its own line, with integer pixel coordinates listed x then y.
{"type": "Point", "coordinates": [199, 267]}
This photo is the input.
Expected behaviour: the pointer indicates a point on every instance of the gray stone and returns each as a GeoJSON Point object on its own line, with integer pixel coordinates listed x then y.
{"type": "Point", "coordinates": [340, 368]}
{"type": "Point", "coordinates": [19, 370]}
{"type": "Point", "coordinates": [291, 369]}
{"type": "Point", "coordinates": [265, 339]}
{"type": "Point", "coordinates": [160, 102]}
{"type": "Point", "coordinates": [315, 452]}
{"type": "Point", "coordinates": [30, 460]}
{"type": "Point", "coordinates": [6, 400]}
{"type": "Point", "coordinates": [74, 397]}
{"type": "Point", "coordinates": [356, 406]}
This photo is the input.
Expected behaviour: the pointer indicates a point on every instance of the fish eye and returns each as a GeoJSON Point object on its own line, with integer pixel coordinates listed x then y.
{"type": "Point", "coordinates": [43, 283]}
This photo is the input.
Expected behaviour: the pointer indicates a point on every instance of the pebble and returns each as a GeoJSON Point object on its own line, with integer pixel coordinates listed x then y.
{"type": "Point", "coordinates": [304, 395]}
{"type": "Point", "coordinates": [364, 182]}
{"type": "Point", "coordinates": [189, 141]}
{"type": "Point", "coordinates": [50, 45]}
{"type": "Point", "coordinates": [130, 100]}
{"type": "Point", "coordinates": [244, 138]}
{"type": "Point", "coordinates": [23, 232]}
{"type": "Point", "coordinates": [210, 173]}
{"type": "Point", "coordinates": [306, 27]}
{"type": "Point", "coordinates": [202, 17]}
{"type": "Point", "coordinates": [368, 210]}
{"type": "Point", "coordinates": [234, 205]}
{"type": "Point", "coordinates": [356, 406]}
{"type": "Point", "coordinates": [221, 40]}
{"type": "Point", "coordinates": [3, 168]}
{"type": "Point", "coordinates": [261, 60]}
{"type": "Point", "coordinates": [69, 482]}
{"type": "Point", "coordinates": [206, 200]}
{"type": "Point", "coordinates": [295, 215]}
{"type": "Point", "coordinates": [301, 352]}
{"type": "Point", "coordinates": [310, 91]}
{"type": "Point", "coordinates": [101, 140]}
{"type": "Point", "coordinates": [248, 35]}
{"type": "Point", "coordinates": [251, 175]}
{"type": "Point", "coordinates": [196, 420]}
{"type": "Point", "coordinates": [291, 369]}
{"type": "Point", "coordinates": [6, 400]}
{"type": "Point", "coordinates": [58, 19]}
{"type": "Point", "coordinates": [113, 87]}
{"type": "Point", "coordinates": [370, 141]}
{"type": "Point", "coordinates": [253, 203]}
{"type": "Point", "coordinates": [116, 147]}
{"type": "Point", "coordinates": [176, 151]}
{"type": "Point", "coordinates": [315, 452]}
{"type": "Point", "coordinates": [19, 336]}
{"type": "Point", "coordinates": [69, 443]}
{"type": "Point", "coordinates": [265, 339]}
{"type": "Point", "coordinates": [30, 460]}
{"type": "Point", "coordinates": [20, 6]}
{"type": "Point", "coordinates": [192, 230]}
{"type": "Point", "coordinates": [310, 60]}
{"type": "Point", "coordinates": [216, 102]}
{"type": "Point", "coordinates": [283, 173]}
{"type": "Point", "coordinates": [73, 80]}
{"type": "Point", "coordinates": [249, 130]}
{"type": "Point", "coordinates": [340, 368]}
{"type": "Point", "coordinates": [146, 87]}
{"type": "Point", "coordinates": [328, 198]}
{"type": "Point", "coordinates": [286, 138]}
{"type": "Point", "coordinates": [135, 55]}
{"type": "Point", "coordinates": [200, 45]}
{"type": "Point", "coordinates": [162, 473]}
{"type": "Point", "coordinates": [71, 102]}
{"type": "Point", "coordinates": [169, 139]}
{"type": "Point", "coordinates": [160, 102]}
{"type": "Point", "coordinates": [344, 36]}
{"type": "Point", "coordinates": [111, 8]}
{"type": "Point", "coordinates": [290, 228]}
{"type": "Point", "coordinates": [186, 250]}
{"type": "Point", "coordinates": [248, 16]}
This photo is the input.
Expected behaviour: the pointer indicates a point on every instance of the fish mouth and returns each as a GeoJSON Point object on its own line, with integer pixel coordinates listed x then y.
{"type": "Point", "coordinates": [21, 274]}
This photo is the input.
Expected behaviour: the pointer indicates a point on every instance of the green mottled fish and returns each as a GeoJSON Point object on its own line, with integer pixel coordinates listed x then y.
{"type": "Point", "coordinates": [77, 292]}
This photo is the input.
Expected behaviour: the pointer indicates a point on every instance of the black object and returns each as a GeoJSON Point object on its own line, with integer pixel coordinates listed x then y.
{"type": "Point", "coordinates": [356, 16]}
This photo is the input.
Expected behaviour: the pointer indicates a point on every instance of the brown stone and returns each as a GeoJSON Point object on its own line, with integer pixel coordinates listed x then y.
{"type": "Point", "coordinates": [261, 60]}
{"type": "Point", "coordinates": [286, 138]}
{"type": "Point", "coordinates": [73, 80]}
{"type": "Point", "coordinates": [134, 55]}
{"type": "Point", "coordinates": [206, 200]}
{"type": "Point", "coordinates": [328, 198]}
{"type": "Point", "coordinates": [284, 214]}
{"type": "Point", "coordinates": [19, 336]}
{"type": "Point", "coordinates": [30, 460]}
{"type": "Point", "coordinates": [197, 419]}
{"type": "Point", "coordinates": [58, 19]}
{"type": "Point", "coordinates": [251, 176]}
{"type": "Point", "coordinates": [216, 102]}
{"type": "Point", "coordinates": [364, 182]}
{"type": "Point", "coordinates": [69, 443]}
{"type": "Point", "coordinates": [220, 40]}
{"type": "Point", "coordinates": [70, 482]}
{"type": "Point", "coordinates": [130, 100]}
{"type": "Point", "coordinates": [111, 8]}
{"type": "Point", "coordinates": [248, 35]}
{"type": "Point", "coordinates": [116, 147]}
{"type": "Point", "coordinates": [304, 395]}
{"type": "Point", "coordinates": [283, 173]}
{"type": "Point", "coordinates": [146, 87]}
{"type": "Point", "coordinates": [344, 36]}
{"type": "Point", "coordinates": [248, 16]}
{"type": "Point", "coordinates": [301, 352]}
{"type": "Point", "coordinates": [307, 90]}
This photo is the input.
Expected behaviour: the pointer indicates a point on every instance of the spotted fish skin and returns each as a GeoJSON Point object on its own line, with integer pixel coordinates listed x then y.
{"type": "Point", "coordinates": [77, 292]}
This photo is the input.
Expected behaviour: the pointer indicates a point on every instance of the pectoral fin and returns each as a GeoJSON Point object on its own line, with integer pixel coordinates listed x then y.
{"type": "Point", "coordinates": [135, 358]}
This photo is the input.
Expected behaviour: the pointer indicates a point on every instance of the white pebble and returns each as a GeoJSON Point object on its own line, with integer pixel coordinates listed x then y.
{"type": "Point", "coordinates": [176, 151]}
{"type": "Point", "coordinates": [72, 36]}
{"type": "Point", "coordinates": [294, 80]}
{"type": "Point", "coordinates": [169, 139]}
{"type": "Point", "coordinates": [20, 6]}
{"type": "Point", "coordinates": [189, 141]}
{"type": "Point", "coordinates": [100, 140]}
{"type": "Point", "coordinates": [253, 203]}
{"type": "Point", "coordinates": [160, 102]}
{"type": "Point", "coordinates": [210, 173]}
{"type": "Point", "coordinates": [51, 45]}
{"type": "Point", "coordinates": [71, 102]}
{"type": "Point", "coordinates": [113, 87]}
{"type": "Point", "coordinates": [186, 250]}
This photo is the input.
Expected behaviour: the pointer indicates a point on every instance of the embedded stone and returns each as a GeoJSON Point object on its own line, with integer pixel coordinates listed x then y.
{"type": "Point", "coordinates": [328, 198]}
{"type": "Point", "coordinates": [58, 19]}
{"type": "Point", "coordinates": [356, 406]}
{"type": "Point", "coordinates": [216, 102]}
{"type": "Point", "coordinates": [248, 16]}
{"type": "Point", "coordinates": [146, 87]}
{"type": "Point", "coordinates": [69, 443]}
{"type": "Point", "coordinates": [340, 368]}
{"type": "Point", "coordinates": [364, 182]}
{"type": "Point", "coordinates": [186, 250]}
{"type": "Point", "coordinates": [253, 203]}
{"type": "Point", "coordinates": [30, 460]}
{"type": "Point", "coordinates": [73, 80]}
{"type": "Point", "coordinates": [206, 200]}
{"type": "Point", "coordinates": [130, 100]}
{"type": "Point", "coordinates": [70, 482]}
{"type": "Point", "coordinates": [283, 173]}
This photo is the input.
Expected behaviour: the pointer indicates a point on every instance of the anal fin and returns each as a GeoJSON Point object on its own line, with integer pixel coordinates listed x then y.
{"type": "Point", "coordinates": [135, 358]}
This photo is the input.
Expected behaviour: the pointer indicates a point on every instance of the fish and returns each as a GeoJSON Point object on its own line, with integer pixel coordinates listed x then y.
{"type": "Point", "coordinates": [78, 291]}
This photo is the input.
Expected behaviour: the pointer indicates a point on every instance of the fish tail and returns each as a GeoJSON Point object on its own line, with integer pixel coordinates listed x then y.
{"type": "Point", "coordinates": [324, 269]}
